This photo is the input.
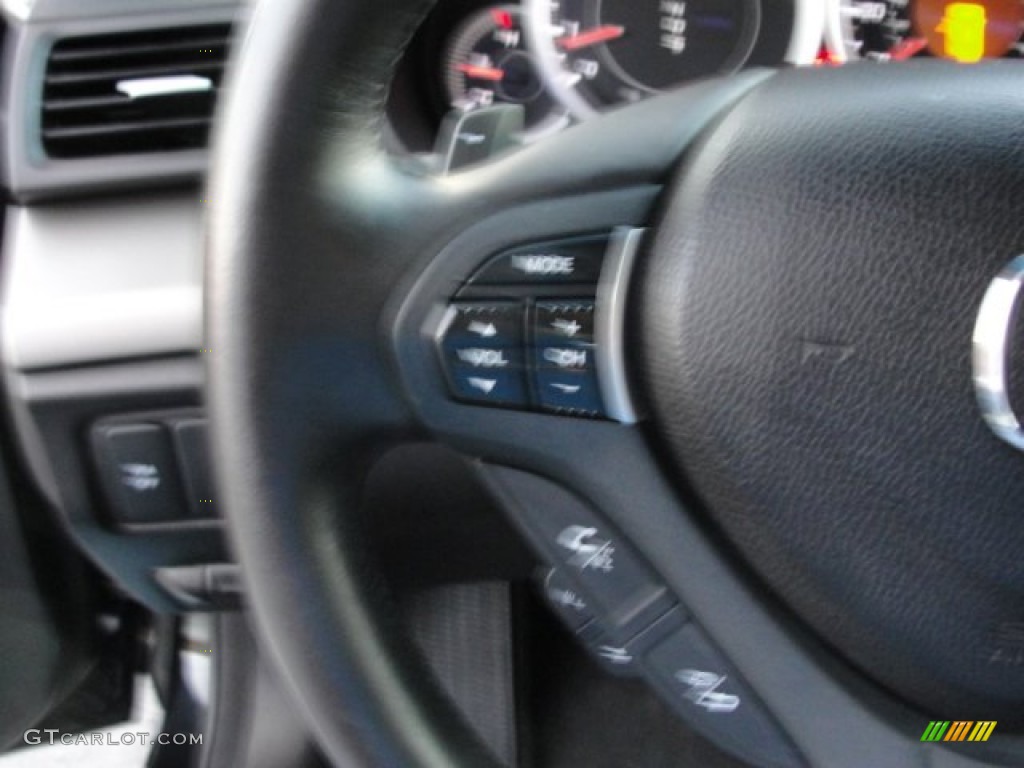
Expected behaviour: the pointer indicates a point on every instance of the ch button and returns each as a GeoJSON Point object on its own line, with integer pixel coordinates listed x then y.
{"type": "Point", "coordinates": [481, 347]}
{"type": "Point", "coordinates": [564, 371]}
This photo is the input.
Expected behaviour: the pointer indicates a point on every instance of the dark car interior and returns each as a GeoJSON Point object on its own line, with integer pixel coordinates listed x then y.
{"type": "Point", "coordinates": [575, 384]}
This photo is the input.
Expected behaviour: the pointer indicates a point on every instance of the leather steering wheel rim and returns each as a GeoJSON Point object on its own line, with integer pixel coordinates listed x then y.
{"type": "Point", "coordinates": [313, 596]}
{"type": "Point", "coordinates": [318, 241]}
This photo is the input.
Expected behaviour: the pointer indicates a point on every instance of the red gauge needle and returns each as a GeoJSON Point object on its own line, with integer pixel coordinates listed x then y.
{"type": "Point", "coordinates": [590, 37]}
{"type": "Point", "coordinates": [482, 73]}
{"type": "Point", "coordinates": [908, 48]}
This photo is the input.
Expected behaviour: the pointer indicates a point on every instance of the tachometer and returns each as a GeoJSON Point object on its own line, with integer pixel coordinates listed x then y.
{"type": "Point", "coordinates": [487, 61]}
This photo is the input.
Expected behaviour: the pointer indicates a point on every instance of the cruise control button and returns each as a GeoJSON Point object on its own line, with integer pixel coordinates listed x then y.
{"type": "Point", "coordinates": [624, 659]}
{"type": "Point", "coordinates": [622, 590]}
{"type": "Point", "coordinates": [561, 322]}
{"type": "Point", "coordinates": [569, 392]}
{"type": "Point", "coordinates": [573, 260]}
{"type": "Point", "coordinates": [495, 387]}
{"type": "Point", "coordinates": [566, 599]}
{"type": "Point", "coordinates": [707, 692]}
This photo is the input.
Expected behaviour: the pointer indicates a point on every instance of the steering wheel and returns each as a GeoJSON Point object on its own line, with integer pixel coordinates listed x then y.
{"type": "Point", "coordinates": [811, 538]}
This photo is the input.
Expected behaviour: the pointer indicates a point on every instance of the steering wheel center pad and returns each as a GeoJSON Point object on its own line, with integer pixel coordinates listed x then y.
{"type": "Point", "coordinates": [807, 314]}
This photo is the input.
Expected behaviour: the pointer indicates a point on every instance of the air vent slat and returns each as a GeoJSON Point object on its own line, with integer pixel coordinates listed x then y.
{"type": "Point", "coordinates": [67, 105]}
{"type": "Point", "coordinates": [133, 92]}
{"type": "Point", "coordinates": [214, 45]}
{"type": "Point", "coordinates": [70, 106]}
{"type": "Point", "coordinates": [76, 78]}
{"type": "Point", "coordinates": [122, 128]}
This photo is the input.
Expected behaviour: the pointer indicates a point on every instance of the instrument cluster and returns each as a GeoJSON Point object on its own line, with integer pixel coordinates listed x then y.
{"type": "Point", "coordinates": [563, 61]}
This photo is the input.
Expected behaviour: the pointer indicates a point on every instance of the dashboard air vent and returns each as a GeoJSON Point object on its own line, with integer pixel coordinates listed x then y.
{"type": "Point", "coordinates": [132, 92]}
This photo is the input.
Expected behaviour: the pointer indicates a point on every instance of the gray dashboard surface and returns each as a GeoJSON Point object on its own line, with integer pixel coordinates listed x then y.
{"type": "Point", "coordinates": [95, 281]}
{"type": "Point", "coordinates": [48, 10]}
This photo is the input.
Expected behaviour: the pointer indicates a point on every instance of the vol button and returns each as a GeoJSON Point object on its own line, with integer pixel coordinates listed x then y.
{"type": "Point", "coordinates": [481, 349]}
{"type": "Point", "coordinates": [503, 387]}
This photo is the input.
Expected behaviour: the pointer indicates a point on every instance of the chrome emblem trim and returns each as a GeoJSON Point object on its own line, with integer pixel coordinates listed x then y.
{"type": "Point", "coordinates": [990, 354]}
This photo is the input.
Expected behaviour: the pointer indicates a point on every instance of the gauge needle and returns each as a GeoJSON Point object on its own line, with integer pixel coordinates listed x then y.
{"type": "Point", "coordinates": [590, 37]}
{"type": "Point", "coordinates": [907, 48]}
{"type": "Point", "coordinates": [482, 73]}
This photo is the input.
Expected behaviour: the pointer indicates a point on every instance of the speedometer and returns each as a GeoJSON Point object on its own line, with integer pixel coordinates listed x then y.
{"type": "Point", "coordinates": [599, 53]}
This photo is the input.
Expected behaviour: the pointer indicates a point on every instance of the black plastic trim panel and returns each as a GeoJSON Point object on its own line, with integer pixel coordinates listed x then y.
{"type": "Point", "coordinates": [53, 412]}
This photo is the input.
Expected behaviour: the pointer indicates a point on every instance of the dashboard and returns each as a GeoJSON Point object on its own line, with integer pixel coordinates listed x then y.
{"type": "Point", "coordinates": [564, 62]}
{"type": "Point", "coordinates": [107, 106]}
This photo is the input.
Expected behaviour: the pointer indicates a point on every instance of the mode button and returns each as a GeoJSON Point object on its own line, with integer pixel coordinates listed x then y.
{"type": "Point", "coordinates": [574, 260]}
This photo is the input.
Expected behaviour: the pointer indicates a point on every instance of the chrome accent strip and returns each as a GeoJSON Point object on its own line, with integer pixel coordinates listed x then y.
{"type": "Point", "coordinates": [989, 357]}
{"type": "Point", "coordinates": [808, 27]}
{"type": "Point", "coordinates": [610, 323]}
{"type": "Point", "coordinates": [144, 87]}
{"type": "Point", "coordinates": [835, 33]}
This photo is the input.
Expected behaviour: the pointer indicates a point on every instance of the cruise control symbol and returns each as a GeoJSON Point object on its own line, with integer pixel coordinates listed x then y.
{"type": "Point", "coordinates": [567, 598]}
{"type": "Point", "coordinates": [588, 550]}
{"type": "Point", "coordinates": [703, 690]}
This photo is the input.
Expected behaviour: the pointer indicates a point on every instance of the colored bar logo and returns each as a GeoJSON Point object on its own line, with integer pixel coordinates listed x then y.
{"type": "Point", "coordinates": [958, 730]}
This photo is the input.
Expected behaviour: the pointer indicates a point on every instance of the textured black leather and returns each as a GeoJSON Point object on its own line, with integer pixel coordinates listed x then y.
{"type": "Point", "coordinates": [314, 238]}
{"type": "Point", "coordinates": [296, 288]}
{"type": "Point", "coordinates": [806, 315]}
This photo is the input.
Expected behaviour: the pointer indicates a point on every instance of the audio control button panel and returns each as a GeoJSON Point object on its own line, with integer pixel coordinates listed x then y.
{"type": "Point", "coordinates": [523, 354]}
{"type": "Point", "coordinates": [521, 331]}
{"type": "Point", "coordinates": [541, 327]}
